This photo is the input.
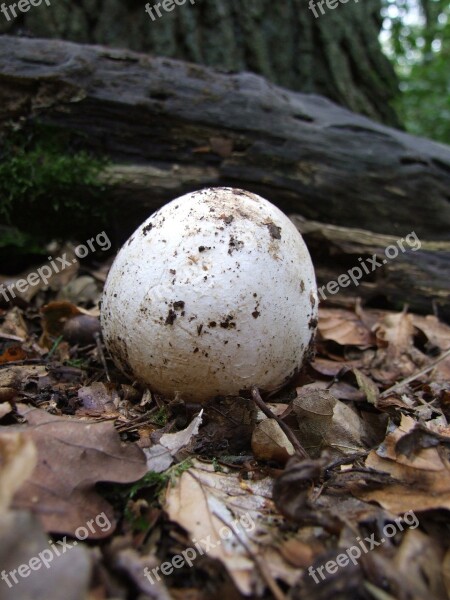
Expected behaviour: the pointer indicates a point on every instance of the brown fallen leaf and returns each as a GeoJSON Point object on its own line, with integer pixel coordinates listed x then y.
{"type": "Point", "coordinates": [413, 572]}
{"type": "Point", "coordinates": [12, 354]}
{"type": "Point", "coordinates": [269, 442]}
{"type": "Point", "coordinates": [325, 423]}
{"type": "Point", "coordinates": [422, 480]}
{"type": "Point", "coordinates": [53, 279]}
{"type": "Point", "coordinates": [18, 458]}
{"type": "Point", "coordinates": [340, 390]}
{"type": "Point", "coordinates": [75, 324]}
{"type": "Point", "coordinates": [438, 336]}
{"type": "Point", "coordinates": [330, 368]}
{"type": "Point", "coordinates": [54, 317]}
{"type": "Point", "coordinates": [421, 557]}
{"type": "Point", "coordinates": [23, 540]}
{"type": "Point", "coordinates": [397, 357]}
{"type": "Point", "coordinates": [72, 456]}
{"type": "Point", "coordinates": [5, 407]}
{"type": "Point", "coordinates": [99, 398]}
{"type": "Point", "coordinates": [344, 327]}
{"type": "Point", "coordinates": [235, 518]}
{"type": "Point", "coordinates": [20, 378]}
{"type": "Point", "coordinates": [437, 332]}
{"type": "Point", "coordinates": [446, 572]}
{"type": "Point", "coordinates": [14, 324]}
{"type": "Point", "coordinates": [367, 386]}
{"type": "Point", "coordinates": [161, 456]}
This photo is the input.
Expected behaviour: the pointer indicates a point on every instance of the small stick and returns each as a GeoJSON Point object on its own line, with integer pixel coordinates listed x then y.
{"type": "Point", "coordinates": [102, 355]}
{"type": "Point", "coordinates": [400, 384]}
{"type": "Point", "coordinates": [287, 430]}
{"type": "Point", "coordinates": [259, 562]}
{"type": "Point", "coordinates": [14, 338]}
{"type": "Point", "coordinates": [25, 361]}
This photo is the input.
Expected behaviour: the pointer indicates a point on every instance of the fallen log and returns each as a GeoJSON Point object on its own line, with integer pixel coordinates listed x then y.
{"type": "Point", "coordinates": [170, 127]}
{"type": "Point", "coordinates": [382, 270]}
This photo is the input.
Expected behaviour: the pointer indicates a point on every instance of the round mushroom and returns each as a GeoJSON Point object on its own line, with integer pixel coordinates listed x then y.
{"type": "Point", "coordinates": [213, 294]}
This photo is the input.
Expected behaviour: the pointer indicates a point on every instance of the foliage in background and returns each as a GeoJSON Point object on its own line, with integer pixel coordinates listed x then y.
{"type": "Point", "coordinates": [416, 36]}
{"type": "Point", "coordinates": [49, 189]}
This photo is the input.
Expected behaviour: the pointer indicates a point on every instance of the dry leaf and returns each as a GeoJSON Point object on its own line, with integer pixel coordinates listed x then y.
{"type": "Point", "coordinates": [367, 386]}
{"type": "Point", "coordinates": [18, 458]}
{"type": "Point", "coordinates": [5, 407]}
{"type": "Point", "coordinates": [210, 505]}
{"type": "Point", "coordinates": [54, 317]}
{"type": "Point", "coordinates": [326, 423]}
{"type": "Point", "coordinates": [344, 327]}
{"type": "Point", "coordinates": [423, 481]}
{"type": "Point", "coordinates": [438, 336]}
{"type": "Point", "coordinates": [73, 455]}
{"type": "Point", "coordinates": [421, 558]}
{"type": "Point", "coordinates": [53, 280]}
{"type": "Point", "coordinates": [67, 576]}
{"type": "Point", "coordinates": [12, 354]}
{"type": "Point", "coordinates": [397, 357]}
{"type": "Point", "coordinates": [162, 455]}
{"type": "Point", "coordinates": [99, 398]}
{"type": "Point", "coordinates": [269, 442]}
{"type": "Point", "coordinates": [14, 325]}
{"type": "Point", "coordinates": [81, 290]}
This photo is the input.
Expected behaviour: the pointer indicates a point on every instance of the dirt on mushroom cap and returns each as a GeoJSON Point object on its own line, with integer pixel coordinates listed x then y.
{"type": "Point", "coordinates": [212, 295]}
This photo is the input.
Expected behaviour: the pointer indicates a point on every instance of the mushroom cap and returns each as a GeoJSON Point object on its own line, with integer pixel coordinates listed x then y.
{"type": "Point", "coordinates": [213, 294]}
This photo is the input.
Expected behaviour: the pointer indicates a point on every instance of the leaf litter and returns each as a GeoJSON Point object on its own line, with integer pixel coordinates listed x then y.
{"type": "Point", "coordinates": [264, 493]}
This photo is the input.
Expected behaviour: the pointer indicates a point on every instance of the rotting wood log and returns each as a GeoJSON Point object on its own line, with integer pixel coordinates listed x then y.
{"type": "Point", "coordinates": [386, 271]}
{"type": "Point", "coordinates": [170, 127]}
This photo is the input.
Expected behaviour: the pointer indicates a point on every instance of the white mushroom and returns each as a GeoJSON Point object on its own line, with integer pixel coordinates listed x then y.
{"type": "Point", "coordinates": [213, 294]}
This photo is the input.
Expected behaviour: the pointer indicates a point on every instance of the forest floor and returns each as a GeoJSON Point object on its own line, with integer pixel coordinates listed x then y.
{"type": "Point", "coordinates": [338, 487]}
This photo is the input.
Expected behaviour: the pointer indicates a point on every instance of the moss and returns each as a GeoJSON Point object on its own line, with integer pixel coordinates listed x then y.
{"type": "Point", "coordinates": [161, 417]}
{"type": "Point", "coordinates": [49, 188]}
{"type": "Point", "coordinates": [151, 487]}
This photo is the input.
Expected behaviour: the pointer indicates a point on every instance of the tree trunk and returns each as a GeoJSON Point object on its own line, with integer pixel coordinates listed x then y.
{"type": "Point", "coordinates": [335, 54]}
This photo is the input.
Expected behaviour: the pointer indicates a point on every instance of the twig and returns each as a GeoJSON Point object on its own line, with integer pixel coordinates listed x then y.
{"type": "Point", "coordinates": [136, 421]}
{"type": "Point", "coordinates": [14, 338]}
{"type": "Point", "coordinates": [26, 361]}
{"type": "Point", "coordinates": [102, 355]}
{"type": "Point", "coordinates": [400, 384]}
{"type": "Point", "coordinates": [259, 562]}
{"type": "Point", "coordinates": [287, 430]}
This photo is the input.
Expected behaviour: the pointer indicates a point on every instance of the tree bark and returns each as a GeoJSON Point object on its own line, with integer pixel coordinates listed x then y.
{"type": "Point", "coordinates": [413, 273]}
{"type": "Point", "coordinates": [170, 127]}
{"type": "Point", "coordinates": [336, 53]}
